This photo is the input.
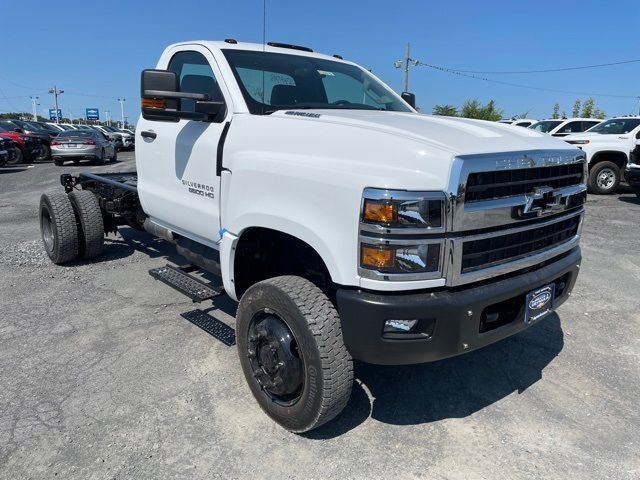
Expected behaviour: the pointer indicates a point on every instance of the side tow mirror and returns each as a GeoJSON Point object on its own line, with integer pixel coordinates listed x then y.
{"type": "Point", "coordinates": [161, 98]}
{"type": "Point", "coordinates": [410, 98]}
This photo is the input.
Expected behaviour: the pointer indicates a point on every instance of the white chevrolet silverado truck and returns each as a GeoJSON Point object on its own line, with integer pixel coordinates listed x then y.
{"type": "Point", "coordinates": [608, 147]}
{"type": "Point", "coordinates": [347, 225]}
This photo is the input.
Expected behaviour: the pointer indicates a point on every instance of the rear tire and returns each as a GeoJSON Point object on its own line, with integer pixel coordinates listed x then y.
{"type": "Point", "coordinates": [89, 216]}
{"type": "Point", "coordinates": [604, 178]}
{"type": "Point", "coordinates": [19, 158]}
{"type": "Point", "coordinates": [102, 159]}
{"type": "Point", "coordinates": [58, 227]}
{"type": "Point", "coordinates": [302, 382]}
{"type": "Point", "coordinates": [114, 158]}
{"type": "Point", "coordinates": [45, 153]}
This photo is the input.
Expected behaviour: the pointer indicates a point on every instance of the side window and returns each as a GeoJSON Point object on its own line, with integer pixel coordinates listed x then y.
{"type": "Point", "coordinates": [588, 125]}
{"type": "Point", "coordinates": [195, 76]}
{"type": "Point", "coordinates": [570, 128]}
{"type": "Point", "coordinates": [279, 88]}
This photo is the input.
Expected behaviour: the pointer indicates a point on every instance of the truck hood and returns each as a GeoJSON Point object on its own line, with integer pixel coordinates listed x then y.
{"type": "Point", "coordinates": [457, 136]}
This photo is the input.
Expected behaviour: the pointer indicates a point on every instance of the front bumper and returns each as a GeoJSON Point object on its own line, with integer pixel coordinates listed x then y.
{"type": "Point", "coordinates": [632, 176]}
{"type": "Point", "coordinates": [452, 321]}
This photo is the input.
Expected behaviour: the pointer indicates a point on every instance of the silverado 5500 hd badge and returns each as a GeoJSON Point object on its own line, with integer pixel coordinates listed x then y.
{"type": "Point", "coordinates": [201, 189]}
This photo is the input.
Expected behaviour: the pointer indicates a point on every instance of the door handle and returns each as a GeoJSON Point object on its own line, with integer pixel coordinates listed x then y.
{"type": "Point", "coordinates": [148, 134]}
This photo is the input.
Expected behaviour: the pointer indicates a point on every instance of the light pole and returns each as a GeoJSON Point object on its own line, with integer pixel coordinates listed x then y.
{"type": "Point", "coordinates": [34, 107]}
{"type": "Point", "coordinates": [122, 100]}
{"type": "Point", "coordinates": [56, 92]}
{"type": "Point", "coordinates": [107, 114]}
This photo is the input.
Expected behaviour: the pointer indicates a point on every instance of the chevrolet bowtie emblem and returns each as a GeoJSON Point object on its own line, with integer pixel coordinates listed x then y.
{"type": "Point", "coordinates": [543, 201]}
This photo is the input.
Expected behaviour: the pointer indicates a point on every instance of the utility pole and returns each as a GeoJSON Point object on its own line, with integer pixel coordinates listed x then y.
{"type": "Point", "coordinates": [107, 114]}
{"type": "Point", "coordinates": [122, 100]}
{"type": "Point", "coordinates": [56, 92]}
{"type": "Point", "coordinates": [405, 64]}
{"type": "Point", "coordinates": [34, 107]}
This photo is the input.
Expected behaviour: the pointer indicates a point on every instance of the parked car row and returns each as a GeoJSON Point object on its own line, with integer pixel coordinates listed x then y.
{"type": "Point", "coordinates": [29, 140]}
{"type": "Point", "coordinates": [608, 145]}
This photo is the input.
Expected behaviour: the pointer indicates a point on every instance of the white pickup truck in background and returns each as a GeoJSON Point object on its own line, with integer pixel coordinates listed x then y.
{"type": "Point", "coordinates": [346, 224]}
{"type": "Point", "coordinates": [608, 146]}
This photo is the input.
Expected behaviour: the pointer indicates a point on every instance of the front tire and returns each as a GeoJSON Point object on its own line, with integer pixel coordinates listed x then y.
{"type": "Point", "coordinates": [58, 227]}
{"type": "Point", "coordinates": [58, 162]}
{"type": "Point", "coordinates": [604, 178]}
{"type": "Point", "coordinates": [292, 353]}
{"type": "Point", "coordinates": [89, 216]}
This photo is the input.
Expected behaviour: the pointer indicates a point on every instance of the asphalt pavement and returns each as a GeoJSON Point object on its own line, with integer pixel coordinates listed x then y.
{"type": "Point", "coordinates": [100, 376]}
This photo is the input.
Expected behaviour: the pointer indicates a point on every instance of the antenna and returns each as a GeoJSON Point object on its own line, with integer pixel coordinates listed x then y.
{"type": "Point", "coordinates": [264, 43]}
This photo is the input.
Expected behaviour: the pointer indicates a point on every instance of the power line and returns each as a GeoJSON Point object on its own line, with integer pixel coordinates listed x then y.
{"type": "Point", "coordinates": [547, 70]}
{"type": "Point", "coordinates": [531, 87]}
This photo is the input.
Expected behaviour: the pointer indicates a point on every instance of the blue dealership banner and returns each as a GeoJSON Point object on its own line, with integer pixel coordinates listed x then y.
{"type": "Point", "coordinates": [93, 114]}
{"type": "Point", "coordinates": [52, 113]}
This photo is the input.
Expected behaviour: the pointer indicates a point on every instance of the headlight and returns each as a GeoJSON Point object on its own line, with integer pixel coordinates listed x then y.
{"type": "Point", "coordinates": [390, 209]}
{"type": "Point", "coordinates": [390, 259]}
{"type": "Point", "coordinates": [399, 234]}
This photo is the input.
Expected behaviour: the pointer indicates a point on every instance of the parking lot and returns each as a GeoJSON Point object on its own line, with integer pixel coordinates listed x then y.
{"type": "Point", "coordinates": [102, 378]}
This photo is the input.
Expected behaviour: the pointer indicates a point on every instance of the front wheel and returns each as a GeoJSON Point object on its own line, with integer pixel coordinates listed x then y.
{"type": "Point", "coordinates": [604, 178]}
{"type": "Point", "coordinates": [292, 353]}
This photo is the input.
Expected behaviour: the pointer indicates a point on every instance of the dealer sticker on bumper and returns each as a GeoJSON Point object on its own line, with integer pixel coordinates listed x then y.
{"type": "Point", "coordinates": [539, 303]}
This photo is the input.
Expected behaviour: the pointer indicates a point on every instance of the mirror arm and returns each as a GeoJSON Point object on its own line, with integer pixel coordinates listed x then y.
{"type": "Point", "coordinates": [165, 94]}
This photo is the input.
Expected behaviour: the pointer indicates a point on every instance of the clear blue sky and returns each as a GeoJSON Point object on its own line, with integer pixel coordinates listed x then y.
{"type": "Point", "coordinates": [96, 50]}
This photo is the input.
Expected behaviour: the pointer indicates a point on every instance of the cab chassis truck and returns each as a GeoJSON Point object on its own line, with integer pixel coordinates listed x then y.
{"type": "Point", "coordinates": [346, 224]}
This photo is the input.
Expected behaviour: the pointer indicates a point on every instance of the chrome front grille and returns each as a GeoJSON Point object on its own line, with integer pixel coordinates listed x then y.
{"type": "Point", "coordinates": [499, 249]}
{"type": "Point", "coordinates": [510, 211]}
{"type": "Point", "coordinates": [507, 183]}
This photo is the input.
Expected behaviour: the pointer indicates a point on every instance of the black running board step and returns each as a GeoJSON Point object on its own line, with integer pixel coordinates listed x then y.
{"type": "Point", "coordinates": [192, 287]}
{"type": "Point", "coordinates": [212, 326]}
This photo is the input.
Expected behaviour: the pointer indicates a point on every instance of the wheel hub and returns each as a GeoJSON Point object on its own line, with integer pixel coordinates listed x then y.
{"type": "Point", "coordinates": [606, 178]}
{"type": "Point", "coordinates": [274, 358]}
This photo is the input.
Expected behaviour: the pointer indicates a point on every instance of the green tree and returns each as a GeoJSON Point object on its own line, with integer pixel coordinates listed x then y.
{"type": "Point", "coordinates": [587, 108]}
{"type": "Point", "coordinates": [576, 108]}
{"type": "Point", "coordinates": [445, 110]}
{"type": "Point", "coordinates": [599, 114]}
{"type": "Point", "coordinates": [556, 111]}
{"type": "Point", "coordinates": [474, 109]}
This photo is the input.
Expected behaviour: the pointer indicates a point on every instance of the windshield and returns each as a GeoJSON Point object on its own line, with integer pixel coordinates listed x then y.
{"type": "Point", "coordinates": [276, 81]}
{"type": "Point", "coordinates": [545, 126]}
{"type": "Point", "coordinates": [616, 126]}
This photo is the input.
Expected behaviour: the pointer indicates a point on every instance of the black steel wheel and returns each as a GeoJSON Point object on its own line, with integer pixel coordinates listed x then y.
{"type": "Point", "coordinates": [292, 354]}
{"type": "Point", "coordinates": [275, 358]}
{"type": "Point", "coordinates": [58, 227]}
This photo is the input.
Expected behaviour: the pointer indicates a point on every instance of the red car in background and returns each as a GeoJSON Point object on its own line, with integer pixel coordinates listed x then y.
{"type": "Point", "coordinates": [28, 147]}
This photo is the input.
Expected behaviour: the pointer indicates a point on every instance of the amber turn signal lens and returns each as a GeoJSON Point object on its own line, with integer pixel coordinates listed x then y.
{"type": "Point", "coordinates": [376, 257]}
{"type": "Point", "coordinates": [379, 212]}
{"type": "Point", "coordinates": [153, 103]}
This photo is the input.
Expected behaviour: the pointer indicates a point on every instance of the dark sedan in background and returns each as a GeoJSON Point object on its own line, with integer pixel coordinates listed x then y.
{"type": "Point", "coordinates": [27, 147]}
{"type": "Point", "coordinates": [80, 144]}
{"type": "Point", "coordinates": [34, 129]}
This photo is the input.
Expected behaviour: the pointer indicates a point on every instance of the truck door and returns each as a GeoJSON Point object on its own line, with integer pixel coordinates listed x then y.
{"type": "Point", "coordinates": [178, 184]}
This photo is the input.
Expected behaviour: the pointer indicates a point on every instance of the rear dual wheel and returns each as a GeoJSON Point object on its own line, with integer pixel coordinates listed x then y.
{"type": "Point", "coordinates": [71, 226]}
{"type": "Point", "coordinates": [292, 353]}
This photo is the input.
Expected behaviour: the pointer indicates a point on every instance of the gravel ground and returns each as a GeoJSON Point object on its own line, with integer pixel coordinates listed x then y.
{"type": "Point", "coordinates": [101, 378]}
